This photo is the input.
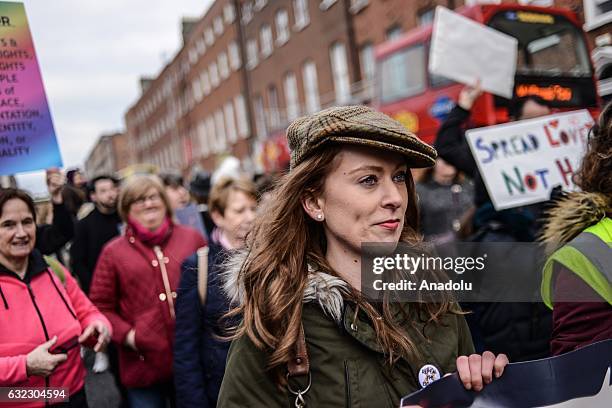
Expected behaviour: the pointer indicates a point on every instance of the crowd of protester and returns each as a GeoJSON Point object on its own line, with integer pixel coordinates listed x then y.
{"type": "Point", "coordinates": [256, 302]}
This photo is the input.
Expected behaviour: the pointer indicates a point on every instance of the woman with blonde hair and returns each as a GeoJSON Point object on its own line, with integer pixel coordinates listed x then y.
{"type": "Point", "coordinates": [135, 285]}
{"type": "Point", "coordinates": [308, 336]}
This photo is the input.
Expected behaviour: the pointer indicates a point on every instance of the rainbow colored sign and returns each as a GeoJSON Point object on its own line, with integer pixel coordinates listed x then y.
{"type": "Point", "coordinates": [27, 137]}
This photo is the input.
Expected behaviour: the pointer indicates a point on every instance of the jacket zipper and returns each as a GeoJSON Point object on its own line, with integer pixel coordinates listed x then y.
{"type": "Point", "coordinates": [42, 322]}
{"type": "Point", "coordinates": [347, 380]}
{"type": "Point", "coordinates": [162, 267]}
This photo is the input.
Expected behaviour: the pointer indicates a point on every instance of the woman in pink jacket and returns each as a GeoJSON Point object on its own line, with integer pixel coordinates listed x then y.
{"type": "Point", "coordinates": [44, 316]}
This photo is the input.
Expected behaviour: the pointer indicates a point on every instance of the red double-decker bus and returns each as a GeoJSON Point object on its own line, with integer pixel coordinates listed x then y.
{"type": "Point", "coordinates": [553, 62]}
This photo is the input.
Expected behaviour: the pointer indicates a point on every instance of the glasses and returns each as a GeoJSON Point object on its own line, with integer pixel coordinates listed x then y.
{"type": "Point", "coordinates": [153, 198]}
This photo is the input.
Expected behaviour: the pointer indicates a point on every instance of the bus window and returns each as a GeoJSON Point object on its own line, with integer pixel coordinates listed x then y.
{"type": "Point", "coordinates": [548, 45]}
{"type": "Point", "coordinates": [403, 74]}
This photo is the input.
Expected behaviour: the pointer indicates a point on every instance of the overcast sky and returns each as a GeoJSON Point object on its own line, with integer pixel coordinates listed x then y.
{"type": "Point", "coordinates": [92, 53]}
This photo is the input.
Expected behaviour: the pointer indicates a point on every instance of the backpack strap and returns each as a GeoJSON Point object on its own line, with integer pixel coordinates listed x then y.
{"type": "Point", "coordinates": [202, 273]}
{"type": "Point", "coordinates": [56, 267]}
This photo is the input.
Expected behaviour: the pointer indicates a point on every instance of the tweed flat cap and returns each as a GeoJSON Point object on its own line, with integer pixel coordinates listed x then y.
{"type": "Point", "coordinates": [359, 125]}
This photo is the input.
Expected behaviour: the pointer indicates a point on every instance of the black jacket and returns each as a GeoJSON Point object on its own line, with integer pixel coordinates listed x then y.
{"type": "Point", "coordinates": [51, 237]}
{"type": "Point", "coordinates": [91, 234]}
{"type": "Point", "coordinates": [199, 357]}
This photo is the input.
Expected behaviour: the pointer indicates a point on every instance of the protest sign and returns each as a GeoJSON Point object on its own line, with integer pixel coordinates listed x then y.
{"type": "Point", "coordinates": [521, 162]}
{"type": "Point", "coordinates": [579, 378]}
{"type": "Point", "coordinates": [465, 51]}
{"type": "Point", "coordinates": [27, 137]}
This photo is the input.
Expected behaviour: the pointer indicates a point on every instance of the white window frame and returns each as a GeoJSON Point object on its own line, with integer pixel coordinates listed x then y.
{"type": "Point", "coordinates": [218, 26]}
{"type": "Point", "coordinates": [292, 103]}
{"type": "Point", "coordinates": [311, 86]}
{"type": "Point", "coordinates": [273, 107]}
{"type": "Point", "coordinates": [229, 13]}
{"type": "Point", "coordinates": [367, 61]}
{"type": "Point", "coordinates": [209, 36]}
{"type": "Point", "coordinates": [260, 4]}
{"type": "Point", "coordinates": [201, 46]}
{"type": "Point", "coordinates": [220, 130]}
{"type": "Point", "coordinates": [340, 73]}
{"type": "Point", "coordinates": [357, 5]}
{"type": "Point", "coordinates": [213, 74]}
{"type": "Point", "coordinates": [252, 54]}
{"type": "Point", "coordinates": [260, 117]}
{"type": "Point", "coordinates": [282, 27]}
{"type": "Point", "coordinates": [247, 12]}
{"type": "Point", "coordinates": [204, 148]}
{"type": "Point", "coordinates": [210, 134]}
{"type": "Point", "coordinates": [223, 64]}
{"type": "Point", "coordinates": [592, 19]}
{"type": "Point", "coordinates": [326, 4]}
{"type": "Point", "coordinates": [233, 52]}
{"type": "Point", "coordinates": [242, 120]}
{"type": "Point", "coordinates": [301, 14]}
{"type": "Point", "coordinates": [205, 82]}
{"type": "Point", "coordinates": [266, 41]}
{"type": "Point", "coordinates": [230, 122]}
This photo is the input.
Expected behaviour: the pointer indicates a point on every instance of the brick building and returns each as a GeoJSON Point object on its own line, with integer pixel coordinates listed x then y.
{"type": "Point", "coordinates": [109, 155]}
{"type": "Point", "coordinates": [195, 110]}
{"type": "Point", "coordinates": [249, 67]}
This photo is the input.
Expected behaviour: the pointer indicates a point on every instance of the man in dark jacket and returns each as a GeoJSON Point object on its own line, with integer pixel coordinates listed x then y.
{"type": "Point", "coordinates": [520, 330]}
{"type": "Point", "coordinates": [50, 238]}
{"type": "Point", "coordinates": [95, 230]}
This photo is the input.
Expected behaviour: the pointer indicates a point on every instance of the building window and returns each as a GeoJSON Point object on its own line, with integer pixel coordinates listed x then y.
{"type": "Point", "coordinates": [252, 60]}
{"type": "Point", "coordinates": [282, 27]}
{"type": "Point", "coordinates": [273, 113]}
{"type": "Point", "coordinates": [203, 139]}
{"type": "Point", "coordinates": [357, 5]}
{"type": "Point", "coordinates": [241, 116]}
{"type": "Point", "coordinates": [339, 65]}
{"type": "Point", "coordinates": [300, 12]}
{"type": "Point", "coordinates": [210, 133]}
{"type": "Point", "coordinates": [394, 32]}
{"type": "Point", "coordinates": [260, 4]}
{"type": "Point", "coordinates": [213, 73]}
{"type": "Point", "coordinates": [218, 26]}
{"type": "Point", "coordinates": [234, 56]}
{"type": "Point", "coordinates": [597, 13]}
{"type": "Point", "coordinates": [326, 4]}
{"type": "Point", "coordinates": [229, 13]}
{"type": "Point", "coordinates": [403, 74]}
{"type": "Point", "coordinates": [426, 17]}
{"type": "Point", "coordinates": [247, 12]}
{"type": "Point", "coordinates": [224, 70]}
{"type": "Point", "coordinates": [200, 46]}
{"type": "Point", "coordinates": [220, 130]}
{"type": "Point", "coordinates": [311, 87]}
{"type": "Point", "coordinates": [193, 56]}
{"type": "Point", "coordinates": [205, 82]}
{"type": "Point", "coordinates": [196, 88]}
{"type": "Point", "coordinates": [366, 60]}
{"type": "Point", "coordinates": [260, 118]}
{"type": "Point", "coordinates": [209, 36]}
{"type": "Point", "coordinates": [230, 122]}
{"type": "Point", "coordinates": [265, 38]}
{"type": "Point", "coordinates": [291, 96]}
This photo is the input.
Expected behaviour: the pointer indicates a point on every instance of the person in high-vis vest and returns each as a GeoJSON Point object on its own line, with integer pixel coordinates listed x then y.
{"type": "Point", "coordinates": [576, 277]}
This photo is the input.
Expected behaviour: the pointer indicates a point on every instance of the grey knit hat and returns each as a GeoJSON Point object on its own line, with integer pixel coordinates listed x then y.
{"type": "Point", "coordinates": [359, 125]}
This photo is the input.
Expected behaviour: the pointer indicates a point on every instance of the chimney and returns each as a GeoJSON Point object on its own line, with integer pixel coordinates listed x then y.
{"type": "Point", "coordinates": [145, 82]}
{"type": "Point", "coordinates": [187, 26]}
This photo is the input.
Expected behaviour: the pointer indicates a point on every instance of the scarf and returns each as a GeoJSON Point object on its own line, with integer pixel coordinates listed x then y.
{"type": "Point", "coordinates": [148, 237]}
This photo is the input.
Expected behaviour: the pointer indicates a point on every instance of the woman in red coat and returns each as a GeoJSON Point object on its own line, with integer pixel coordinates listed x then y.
{"type": "Point", "coordinates": [43, 313]}
{"type": "Point", "coordinates": [135, 284]}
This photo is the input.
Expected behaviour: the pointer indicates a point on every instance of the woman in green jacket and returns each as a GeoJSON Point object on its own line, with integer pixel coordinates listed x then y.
{"type": "Point", "coordinates": [308, 336]}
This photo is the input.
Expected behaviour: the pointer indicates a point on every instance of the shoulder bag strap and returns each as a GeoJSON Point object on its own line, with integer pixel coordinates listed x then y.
{"type": "Point", "coordinates": [202, 273]}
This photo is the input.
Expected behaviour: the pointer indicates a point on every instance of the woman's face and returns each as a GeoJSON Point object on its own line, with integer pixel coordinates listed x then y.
{"type": "Point", "coordinates": [178, 196]}
{"type": "Point", "coordinates": [364, 198]}
{"type": "Point", "coordinates": [17, 231]}
{"type": "Point", "coordinates": [149, 211]}
{"type": "Point", "coordinates": [237, 220]}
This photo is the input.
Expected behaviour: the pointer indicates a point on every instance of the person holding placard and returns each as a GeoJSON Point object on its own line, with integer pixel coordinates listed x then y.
{"type": "Point", "coordinates": [576, 279]}
{"type": "Point", "coordinates": [521, 330]}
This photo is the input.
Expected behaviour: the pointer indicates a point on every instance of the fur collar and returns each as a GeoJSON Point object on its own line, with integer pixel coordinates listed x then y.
{"type": "Point", "coordinates": [326, 290]}
{"type": "Point", "coordinates": [571, 215]}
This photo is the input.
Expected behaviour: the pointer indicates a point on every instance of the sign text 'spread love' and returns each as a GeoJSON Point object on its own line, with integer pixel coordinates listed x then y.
{"type": "Point", "coordinates": [521, 162]}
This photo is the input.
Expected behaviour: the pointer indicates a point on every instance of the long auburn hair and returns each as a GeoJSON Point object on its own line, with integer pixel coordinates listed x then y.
{"type": "Point", "coordinates": [275, 273]}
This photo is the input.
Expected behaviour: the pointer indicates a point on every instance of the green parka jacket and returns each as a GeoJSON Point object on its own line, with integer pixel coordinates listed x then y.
{"type": "Point", "coordinates": [347, 367]}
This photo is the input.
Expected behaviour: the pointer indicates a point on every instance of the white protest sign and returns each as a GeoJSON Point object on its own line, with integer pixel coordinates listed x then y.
{"type": "Point", "coordinates": [520, 162]}
{"type": "Point", "coordinates": [464, 50]}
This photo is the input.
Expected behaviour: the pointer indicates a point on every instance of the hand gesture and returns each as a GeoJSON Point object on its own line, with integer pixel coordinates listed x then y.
{"type": "Point", "coordinates": [476, 370]}
{"type": "Point", "coordinates": [95, 329]}
{"type": "Point", "coordinates": [41, 363]}
{"type": "Point", "coordinates": [468, 95]}
{"type": "Point", "coordinates": [55, 183]}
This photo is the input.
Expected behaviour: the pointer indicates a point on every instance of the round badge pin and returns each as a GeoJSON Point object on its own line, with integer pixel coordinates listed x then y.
{"type": "Point", "coordinates": [428, 374]}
